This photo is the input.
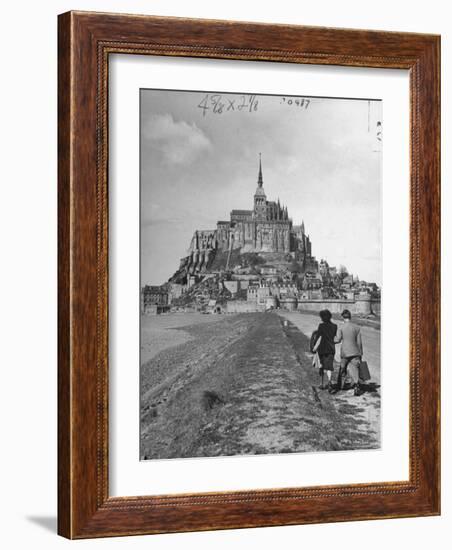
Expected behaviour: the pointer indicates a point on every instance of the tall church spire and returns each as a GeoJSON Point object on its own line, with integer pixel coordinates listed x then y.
{"type": "Point", "coordinates": [260, 200]}
{"type": "Point", "coordinates": [260, 181]}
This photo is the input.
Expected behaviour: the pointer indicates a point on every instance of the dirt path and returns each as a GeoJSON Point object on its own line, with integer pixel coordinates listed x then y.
{"type": "Point", "coordinates": [243, 385]}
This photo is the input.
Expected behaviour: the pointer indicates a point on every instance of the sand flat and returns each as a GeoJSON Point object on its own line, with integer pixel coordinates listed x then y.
{"type": "Point", "coordinates": [160, 332]}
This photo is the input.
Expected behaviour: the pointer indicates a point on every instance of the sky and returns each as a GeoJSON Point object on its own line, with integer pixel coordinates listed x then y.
{"type": "Point", "coordinates": [199, 160]}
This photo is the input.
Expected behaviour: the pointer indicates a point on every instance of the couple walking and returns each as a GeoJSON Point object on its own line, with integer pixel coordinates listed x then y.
{"type": "Point", "coordinates": [349, 335]}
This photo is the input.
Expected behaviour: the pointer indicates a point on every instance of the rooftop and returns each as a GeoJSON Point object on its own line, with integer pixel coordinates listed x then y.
{"type": "Point", "coordinates": [241, 212]}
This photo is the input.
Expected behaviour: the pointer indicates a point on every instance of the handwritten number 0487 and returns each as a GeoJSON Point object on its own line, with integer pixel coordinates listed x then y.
{"type": "Point", "coordinates": [298, 102]}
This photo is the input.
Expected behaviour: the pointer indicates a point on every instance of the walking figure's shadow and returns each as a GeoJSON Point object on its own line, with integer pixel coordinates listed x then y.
{"type": "Point", "coordinates": [367, 387]}
{"type": "Point", "coordinates": [370, 387]}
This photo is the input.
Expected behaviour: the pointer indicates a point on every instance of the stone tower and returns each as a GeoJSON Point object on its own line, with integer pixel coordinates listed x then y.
{"type": "Point", "coordinates": [260, 199]}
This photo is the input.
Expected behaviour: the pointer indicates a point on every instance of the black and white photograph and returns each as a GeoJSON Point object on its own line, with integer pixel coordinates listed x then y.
{"type": "Point", "coordinates": [261, 274]}
{"type": "Point", "coordinates": [225, 231]}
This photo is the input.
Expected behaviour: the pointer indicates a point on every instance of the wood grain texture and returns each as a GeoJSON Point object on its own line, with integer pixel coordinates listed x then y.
{"type": "Point", "coordinates": [64, 295]}
{"type": "Point", "coordinates": [85, 42]}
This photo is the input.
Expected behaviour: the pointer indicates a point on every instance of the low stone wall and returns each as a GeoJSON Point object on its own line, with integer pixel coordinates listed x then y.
{"type": "Point", "coordinates": [241, 306]}
{"type": "Point", "coordinates": [358, 306]}
{"type": "Point", "coordinates": [335, 306]}
{"type": "Point", "coordinates": [155, 309]}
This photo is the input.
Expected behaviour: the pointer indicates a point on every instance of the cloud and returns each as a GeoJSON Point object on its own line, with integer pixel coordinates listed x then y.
{"type": "Point", "coordinates": [178, 141]}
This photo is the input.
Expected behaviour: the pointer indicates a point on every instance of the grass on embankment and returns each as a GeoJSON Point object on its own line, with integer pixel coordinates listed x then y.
{"type": "Point", "coordinates": [243, 386]}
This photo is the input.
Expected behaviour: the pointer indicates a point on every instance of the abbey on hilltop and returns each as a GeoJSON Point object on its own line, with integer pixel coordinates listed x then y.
{"type": "Point", "coordinates": [256, 261]}
{"type": "Point", "coordinates": [267, 228]}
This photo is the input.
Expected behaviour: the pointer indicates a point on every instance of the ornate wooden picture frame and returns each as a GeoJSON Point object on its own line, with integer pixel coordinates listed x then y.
{"type": "Point", "coordinates": [86, 41]}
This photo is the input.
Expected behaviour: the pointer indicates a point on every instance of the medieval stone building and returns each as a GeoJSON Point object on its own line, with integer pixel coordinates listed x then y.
{"type": "Point", "coordinates": [266, 228]}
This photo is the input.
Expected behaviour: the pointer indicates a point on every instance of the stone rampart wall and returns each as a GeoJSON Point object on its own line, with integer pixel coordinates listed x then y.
{"type": "Point", "coordinates": [357, 306]}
